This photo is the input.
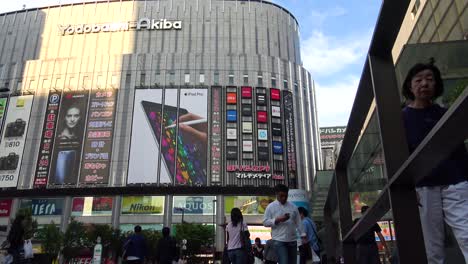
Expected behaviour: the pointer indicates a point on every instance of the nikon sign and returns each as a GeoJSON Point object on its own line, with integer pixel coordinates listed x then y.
{"type": "Point", "coordinates": [142, 24]}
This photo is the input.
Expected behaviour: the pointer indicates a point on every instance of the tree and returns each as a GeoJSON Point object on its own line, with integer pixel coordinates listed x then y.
{"type": "Point", "coordinates": [75, 240]}
{"type": "Point", "coordinates": [51, 239]}
{"type": "Point", "coordinates": [200, 238]}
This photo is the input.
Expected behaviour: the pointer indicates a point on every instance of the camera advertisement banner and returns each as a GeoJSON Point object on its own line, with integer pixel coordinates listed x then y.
{"type": "Point", "coordinates": [47, 140]}
{"type": "Point", "coordinates": [142, 205]}
{"type": "Point", "coordinates": [3, 108]}
{"type": "Point", "coordinates": [13, 139]}
{"type": "Point", "coordinates": [97, 151]}
{"type": "Point", "coordinates": [69, 136]}
{"type": "Point", "coordinates": [175, 135]}
{"type": "Point", "coordinates": [290, 131]}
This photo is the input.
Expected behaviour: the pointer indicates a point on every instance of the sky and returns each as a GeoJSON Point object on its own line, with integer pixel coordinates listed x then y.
{"type": "Point", "coordinates": [335, 36]}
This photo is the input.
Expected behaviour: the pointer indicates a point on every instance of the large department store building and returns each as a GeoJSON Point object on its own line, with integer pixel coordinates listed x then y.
{"type": "Point", "coordinates": [135, 112]}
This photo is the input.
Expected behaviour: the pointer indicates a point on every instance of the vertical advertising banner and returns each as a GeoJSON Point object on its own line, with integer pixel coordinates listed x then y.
{"type": "Point", "coordinates": [146, 134]}
{"type": "Point", "coordinates": [97, 151]}
{"type": "Point", "coordinates": [216, 140]}
{"type": "Point", "coordinates": [3, 108]}
{"type": "Point", "coordinates": [69, 136]}
{"type": "Point", "coordinates": [13, 139]}
{"type": "Point", "coordinates": [192, 138]}
{"type": "Point", "coordinates": [175, 135]}
{"type": "Point", "coordinates": [47, 140]}
{"type": "Point", "coordinates": [290, 133]}
{"type": "Point", "coordinates": [5, 207]}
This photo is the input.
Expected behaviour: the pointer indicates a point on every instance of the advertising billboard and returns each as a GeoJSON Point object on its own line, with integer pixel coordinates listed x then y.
{"type": "Point", "coordinates": [43, 207]}
{"type": "Point", "coordinates": [290, 133]}
{"type": "Point", "coordinates": [251, 205]}
{"type": "Point", "coordinates": [66, 155]}
{"type": "Point", "coordinates": [142, 205]}
{"type": "Point", "coordinates": [179, 133]}
{"type": "Point", "coordinates": [5, 207]}
{"type": "Point", "coordinates": [47, 140]}
{"type": "Point", "coordinates": [97, 152]}
{"type": "Point", "coordinates": [329, 136]}
{"type": "Point", "coordinates": [216, 134]}
{"type": "Point", "coordinates": [92, 206]}
{"type": "Point", "coordinates": [200, 205]}
{"type": "Point", "coordinates": [13, 139]}
{"type": "Point", "coordinates": [192, 137]}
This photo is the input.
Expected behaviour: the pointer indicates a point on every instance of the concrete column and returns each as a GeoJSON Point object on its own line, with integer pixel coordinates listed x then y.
{"type": "Point", "coordinates": [116, 210]}
{"type": "Point", "coordinates": [220, 239]}
{"type": "Point", "coordinates": [167, 221]}
{"type": "Point", "coordinates": [67, 204]}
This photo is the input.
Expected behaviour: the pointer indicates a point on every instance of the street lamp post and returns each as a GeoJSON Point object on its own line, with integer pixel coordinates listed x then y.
{"type": "Point", "coordinates": [181, 209]}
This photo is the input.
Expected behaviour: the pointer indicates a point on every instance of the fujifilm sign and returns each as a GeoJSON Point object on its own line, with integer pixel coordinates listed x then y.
{"type": "Point", "coordinates": [143, 23]}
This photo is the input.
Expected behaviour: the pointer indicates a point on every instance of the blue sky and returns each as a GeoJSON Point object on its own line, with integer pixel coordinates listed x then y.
{"type": "Point", "coordinates": [335, 37]}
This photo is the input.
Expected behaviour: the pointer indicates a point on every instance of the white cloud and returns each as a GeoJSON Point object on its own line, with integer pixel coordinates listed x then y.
{"type": "Point", "coordinates": [325, 56]}
{"type": "Point", "coordinates": [335, 101]}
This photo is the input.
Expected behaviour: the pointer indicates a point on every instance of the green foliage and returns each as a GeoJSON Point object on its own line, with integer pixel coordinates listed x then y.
{"type": "Point", "coordinates": [29, 224]}
{"type": "Point", "coordinates": [453, 94]}
{"type": "Point", "coordinates": [199, 238]}
{"type": "Point", "coordinates": [151, 237]}
{"type": "Point", "coordinates": [51, 239]}
{"type": "Point", "coordinates": [75, 240]}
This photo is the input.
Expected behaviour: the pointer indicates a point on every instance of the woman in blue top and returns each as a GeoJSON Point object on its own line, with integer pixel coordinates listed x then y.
{"type": "Point", "coordinates": [443, 195]}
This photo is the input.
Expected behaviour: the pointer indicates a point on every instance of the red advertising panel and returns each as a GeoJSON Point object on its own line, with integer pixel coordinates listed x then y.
{"type": "Point", "coordinates": [262, 117]}
{"type": "Point", "coordinates": [231, 98]}
{"type": "Point", "coordinates": [5, 207]}
{"type": "Point", "coordinates": [97, 152]}
{"type": "Point", "coordinates": [66, 155]}
{"type": "Point", "coordinates": [47, 140]}
{"type": "Point", "coordinates": [275, 94]}
{"type": "Point", "coordinates": [246, 92]}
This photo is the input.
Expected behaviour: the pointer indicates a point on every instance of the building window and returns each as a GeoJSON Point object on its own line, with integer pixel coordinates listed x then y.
{"type": "Point", "coordinates": [285, 84]}
{"type": "Point", "coordinates": [246, 79]}
{"type": "Point", "coordinates": [216, 78]}
{"type": "Point", "coordinates": [202, 77]}
{"type": "Point", "coordinates": [273, 81]}
{"type": "Point", "coordinates": [142, 79]}
{"type": "Point", "coordinates": [171, 78]}
{"type": "Point", "coordinates": [260, 79]}
{"type": "Point", "coordinates": [231, 78]}
{"type": "Point", "coordinates": [187, 78]}
{"type": "Point", "coordinates": [157, 78]}
{"type": "Point", "coordinates": [415, 9]}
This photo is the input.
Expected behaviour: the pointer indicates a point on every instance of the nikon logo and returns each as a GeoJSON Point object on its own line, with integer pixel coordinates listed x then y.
{"type": "Point", "coordinates": [143, 23]}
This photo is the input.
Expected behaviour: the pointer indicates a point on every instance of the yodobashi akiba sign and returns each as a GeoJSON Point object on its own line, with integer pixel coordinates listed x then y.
{"type": "Point", "coordinates": [141, 24]}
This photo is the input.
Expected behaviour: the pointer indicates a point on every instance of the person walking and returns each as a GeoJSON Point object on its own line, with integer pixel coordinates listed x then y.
{"type": "Point", "coordinates": [367, 251]}
{"type": "Point", "coordinates": [135, 247]}
{"type": "Point", "coordinates": [258, 251]}
{"type": "Point", "coordinates": [237, 255]}
{"type": "Point", "coordinates": [15, 240]}
{"type": "Point", "coordinates": [443, 195]}
{"type": "Point", "coordinates": [312, 237]}
{"type": "Point", "coordinates": [284, 219]}
{"type": "Point", "coordinates": [167, 249]}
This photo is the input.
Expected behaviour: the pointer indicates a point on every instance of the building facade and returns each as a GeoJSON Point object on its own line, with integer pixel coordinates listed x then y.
{"type": "Point", "coordinates": [178, 94]}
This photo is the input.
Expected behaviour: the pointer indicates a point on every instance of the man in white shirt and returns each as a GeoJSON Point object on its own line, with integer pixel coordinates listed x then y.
{"type": "Point", "coordinates": [283, 218]}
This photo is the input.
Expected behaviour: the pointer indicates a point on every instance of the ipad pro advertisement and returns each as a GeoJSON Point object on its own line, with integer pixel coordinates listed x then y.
{"type": "Point", "coordinates": [169, 137]}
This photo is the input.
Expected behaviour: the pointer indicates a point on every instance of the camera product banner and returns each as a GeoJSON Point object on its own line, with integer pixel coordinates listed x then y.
{"type": "Point", "coordinates": [43, 207]}
{"type": "Point", "coordinates": [97, 152]}
{"type": "Point", "coordinates": [290, 132]}
{"type": "Point", "coordinates": [92, 206]}
{"type": "Point", "coordinates": [216, 136]}
{"type": "Point", "coordinates": [66, 155]}
{"type": "Point", "coordinates": [151, 205]}
{"type": "Point", "coordinates": [249, 205]}
{"type": "Point", "coordinates": [13, 139]}
{"type": "Point", "coordinates": [47, 140]}
{"type": "Point", "coordinates": [194, 205]}
{"type": "Point", "coordinates": [3, 108]}
{"type": "Point", "coordinates": [177, 135]}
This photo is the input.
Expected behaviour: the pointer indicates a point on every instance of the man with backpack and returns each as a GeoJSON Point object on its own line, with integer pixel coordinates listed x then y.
{"type": "Point", "coordinates": [312, 237]}
{"type": "Point", "coordinates": [167, 248]}
{"type": "Point", "coordinates": [135, 247]}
